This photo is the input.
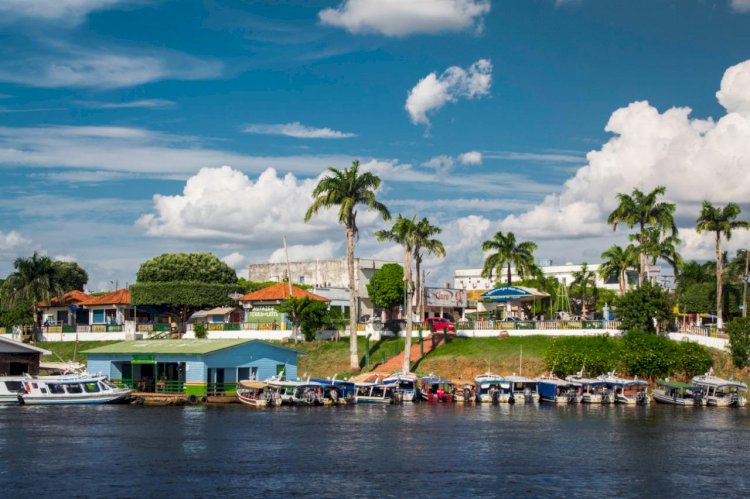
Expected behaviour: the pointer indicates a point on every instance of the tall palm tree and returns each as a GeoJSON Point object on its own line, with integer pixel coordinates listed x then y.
{"type": "Point", "coordinates": [346, 189]}
{"type": "Point", "coordinates": [643, 210]}
{"type": "Point", "coordinates": [617, 261]}
{"type": "Point", "coordinates": [424, 242]}
{"type": "Point", "coordinates": [404, 232]}
{"type": "Point", "coordinates": [33, 280]}
{"type": "Point", "coordinates": [585, 279]}
{"type": "Point", "coordinates": [719, 221]}
{"type": "Point", "coordinates": [664, 248]}
{"type": "Point", "coordinates": [508, 252]}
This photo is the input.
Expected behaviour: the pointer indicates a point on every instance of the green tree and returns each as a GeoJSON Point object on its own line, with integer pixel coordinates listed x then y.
{"type": "Point", "coordinates": [738, 330]}
{"type": "Point", "coordinates": [425, 243]}
{"type": "Point", "coordinates": [646, 355]}
{"type": "Point", "coordinates": [638, 307]}
{"type": "Point", "coordinates": [617, 261]}
{"type": "Point", "coordinates": [695, 273]}
{"type": "Point", "coordinates": [186, 267]}
{"type": "Point", "coordinates": [403, 232]}
{"type": "Point", "coordinates": [719, 221]}
{"type": "Point", "coordinates": [643, 210]}
{"type": "Point", "coordinates": [659, 247]}
{"type": "Point", "coordinates": [70, 276]}
{"type": "Point", "coordinates": [386, 287]}
{"type": "Point", "coordinates": [506, 251]}
{"type": "Point", "coordinates": [32, 281]}
{"type": "Point", "coordinates": [311, 315]}
{"type": "Point", "coordinates": [584, 280]}
{"type": "Point", "coordinates": [346, 189]}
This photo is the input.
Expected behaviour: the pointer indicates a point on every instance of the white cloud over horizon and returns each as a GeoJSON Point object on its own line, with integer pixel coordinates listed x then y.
{"type": "Point", "coordinates": [66, 11]}
{"type": "Point", "coordinates": [432, 92]}
{"type": "Point", "coordinates": [324, 250]}
{"type": "Point", "coordinates": [470, 158]}
{"type": "Point", "coordinates": [742, 6]}
{"type": "Point", "coordinates": [141, 103]}
{"type": "Point", "coordinates": [296, 130]}
{"type": "Point", "coordinates": [399, 18]}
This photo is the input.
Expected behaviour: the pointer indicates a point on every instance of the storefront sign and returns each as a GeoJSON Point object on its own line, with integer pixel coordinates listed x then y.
{"type": "Point", "coordinates": [143, 358]}
{"type": "Point", "coordinates": [445, 297]}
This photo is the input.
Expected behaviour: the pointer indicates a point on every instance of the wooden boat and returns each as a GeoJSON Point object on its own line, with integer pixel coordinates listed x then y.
{"type": "Point", "coordinates": [407, 385]}
{"type": "Point", "coordinates": [558, 391]}
{"type": "Point", "coordinates": [308, 393]}
{"type": "Point", "coordinates": [493, 389]}
{"type": "Point", "coordinates": [464, 393]}
{"type": "Point", "coordinates": [79, 388]}
{"type": "Point", "coordinates": [720, 392]}
{"type": "Point", "coordinates": [377, 393]}
{"type": "Point", "coordinates": [677, 393]}
{"type": "Point", "coordinates": [593, 390]}
{"type": "Point", "coordinates": [285, 389]}
{"type": "Point", "coordinates": [10, 389]}
{"type": "Point", "coordinates": [258, 394]}
{"type": "Point", "coordinates": [434, 389]}
{"type": "Point", "coordinates": [524, 389]}
{"type": "Point", "coordinates": [626, 391]}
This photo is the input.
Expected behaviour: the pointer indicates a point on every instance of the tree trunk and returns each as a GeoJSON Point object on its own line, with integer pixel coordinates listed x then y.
{"type": "Point", "coordinates": [419, 290]}
{"type": "Point", "coordinates": [621, 282]}
{"type": "Point", "coordinates": [353, 357]}
{"type": "Point", "coordinates": [409, 323]}
{"type": "Point", "coordinates": [641, 257]}
{"type": "Point", "coordinates": [509, 279]}
{"type": "Point", "coordinates": [719, 283]}
{"type": "Point", "coordinates": [583, 302]}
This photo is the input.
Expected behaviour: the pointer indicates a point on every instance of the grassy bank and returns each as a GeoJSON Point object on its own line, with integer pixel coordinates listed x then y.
{"type": "Point", "coordinates": [66, 351]}
{"type": "Point", "coordinates": [326, 358]}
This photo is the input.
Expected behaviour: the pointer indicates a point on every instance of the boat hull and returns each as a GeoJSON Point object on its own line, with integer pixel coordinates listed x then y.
{"type": "Point", "coordinates": [10, 399]}
{"type": "Point", "coordinates": [663, 398]}
{"type": "Point", "coordinates": [108, 398]}
{"type": "Point", "coordinates": [726, 402]}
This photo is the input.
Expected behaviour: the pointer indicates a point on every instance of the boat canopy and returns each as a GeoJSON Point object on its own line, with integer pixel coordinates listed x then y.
{"type": "Point", "coordinates": [678, 385]}
{"type": "Point", "coordinates": [717, 382]}
{"type": "Point", "coordinates": [257, 385]}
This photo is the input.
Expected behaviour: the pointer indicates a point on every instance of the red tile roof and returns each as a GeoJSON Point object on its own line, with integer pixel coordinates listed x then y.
{"type": "Point", "coordinates": [280, 292]}
{"type": "Point", "coordinates": [74, 297]}
{"type": "Point", "coordinates": [119, 297]}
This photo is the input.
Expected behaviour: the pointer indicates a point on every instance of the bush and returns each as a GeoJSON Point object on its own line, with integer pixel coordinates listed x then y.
{"type": "Point", "coordinates": [200, 331]}
{"type": "Point", "coordinates": [739, 341]}
{"type": "Point", "coordinates": [568, 355]}
{"type": "Point", "coordinates": [692, 359]}
{"type": "Point", "coordinates": [648, 356]}
{"type": "Point", "coordinates": [637, 308]}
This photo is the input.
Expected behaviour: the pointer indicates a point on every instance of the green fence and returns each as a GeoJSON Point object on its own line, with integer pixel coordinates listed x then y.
{"type": "Point", "coordinates": [221, 389]}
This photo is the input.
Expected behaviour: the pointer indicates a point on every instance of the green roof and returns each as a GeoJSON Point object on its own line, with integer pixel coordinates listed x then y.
{"type": "Point", "coordinates": [174, 347]}
{"type": "Point", "coordinates": [676, 384]}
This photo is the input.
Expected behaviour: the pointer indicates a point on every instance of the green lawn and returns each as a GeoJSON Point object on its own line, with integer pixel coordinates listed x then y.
{"type": "Point", "coordinates": [63, 351]}
{"type": "Point", "coordinates": [326, 358]}
{"type": "Point", "coordinates": [533, 346]}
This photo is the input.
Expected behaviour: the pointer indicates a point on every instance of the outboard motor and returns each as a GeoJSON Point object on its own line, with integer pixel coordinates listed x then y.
{"type": "Point", "coordinates": [467, 395]}
{"type": "Point", "coordinates": [734, 399]}
{"type": "Point", "coordinates": [698, 398]}
{"type": "Point", "coordinates": [334, 396]}
{"type": "Point", "coordinates": [640, 397]}
{"type": "Point", "coordinates": [495, 394]}
{"type": "Point", "coordinates": [527, 395]}
{"type": "Point", "coordinates": [397, 397]}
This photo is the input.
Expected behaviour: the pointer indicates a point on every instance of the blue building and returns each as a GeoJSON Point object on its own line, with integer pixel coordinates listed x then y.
{"type": "Point", "coordinates": [192, 367]}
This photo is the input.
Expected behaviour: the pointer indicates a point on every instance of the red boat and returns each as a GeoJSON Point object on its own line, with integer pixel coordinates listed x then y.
{"type": "Point", "coordinates": [434, 389]}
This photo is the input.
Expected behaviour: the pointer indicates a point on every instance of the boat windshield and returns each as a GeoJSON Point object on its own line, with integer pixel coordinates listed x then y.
{"type": "Point", "coordinates": [56, 389]}
{"type": "Point", "coordinates": [73, 388]}
{"type": "Point", "coordinates": [13, 386]}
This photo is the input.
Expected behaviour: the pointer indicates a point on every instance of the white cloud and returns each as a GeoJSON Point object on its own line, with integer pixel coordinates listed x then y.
{"type": "Point", "coordinates": [470, 158]}
{"type": "Point", "coordinates": [432, 92]}
{"type": "Point", "coordinates": [321, 251]}
{"type": "Point", "coordinates": [297, 130]}
{"type": "Point", "coordinates": [142, 103]}
{"type": "Point", "coordinates": [12, 242]}
{"type": "Point", "coordinates": [400, 18]}
{"type": "Point", "coordinates": [235, 260]}
{"type": "Point", "coordinates": [741, 5]}
{"type": "Point", "coordinates": [67, 11]}
{"type": "Point", "coordinates": [695, 159]}
{"type": "Point", "coordinates": [65, 258]}
{"type": "Point", "coordinates": [223, 204]}
{"type": "Point", "coordinates": [441, 164]}
{"type": "Point", "coordinates": [553, 157]}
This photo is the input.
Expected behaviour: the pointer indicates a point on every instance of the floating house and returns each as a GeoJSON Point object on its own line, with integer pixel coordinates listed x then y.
{"type": "Point", "coordinates": [191, 366]}
{"type": "Point", "coordinates": [18, 358]}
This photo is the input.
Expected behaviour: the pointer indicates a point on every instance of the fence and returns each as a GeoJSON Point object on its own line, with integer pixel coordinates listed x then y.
{"type": "Point", "coordinates": [537, 325]}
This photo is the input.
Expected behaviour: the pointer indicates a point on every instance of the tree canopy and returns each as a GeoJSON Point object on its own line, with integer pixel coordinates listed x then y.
{"type": "Point", "coordinates": [507, 252]}
{"type": "Point", "coordinates": [386, 287]}
{"type": "Point", "coordinates": [638, 307]}
{"type": "Point", "coordinates": [70, 276]}
{"type": "Point", "coordinates": [311, 315]}
{"type": "Point", "coordinates": [186, 267]}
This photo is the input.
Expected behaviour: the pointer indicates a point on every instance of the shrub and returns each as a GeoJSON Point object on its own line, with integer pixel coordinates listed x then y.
{"type": "Point", "coordinates": [637, 308]}
{"type": "Point", "coordinates": [692, 359]}
{"type": "Point", "coordinates": [200, 331]}
{"type": "Point", "coordinates": [739, 340]}
{"type": "Point", "coordinates": [568, 355]}
{"type": "Point", "coordinates": [646, 355]}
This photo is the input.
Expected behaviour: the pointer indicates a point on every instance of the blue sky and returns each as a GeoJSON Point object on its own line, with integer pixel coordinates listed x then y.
{"type": "Point", "coordinates": [131, 128]}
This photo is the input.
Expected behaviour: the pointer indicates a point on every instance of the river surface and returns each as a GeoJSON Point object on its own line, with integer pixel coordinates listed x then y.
{"type": "Point", "coordinates": [374, 451]}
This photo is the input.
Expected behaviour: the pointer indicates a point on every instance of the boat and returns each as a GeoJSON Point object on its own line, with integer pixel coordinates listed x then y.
{"type": "Point", "coordinates": [258, 394]}
{"type": "Point", "coordinates": [593, 390]}
{"type": "Point", "coordinates": [492, 389]}
{"type": "Point", "coordinates": [524, 389]}
{"type": "Point", "coordinates": [377, 393]}
{"type": "Point", "coordinates": [720, 392]}
{"type": "Point", "coordinates": [464, 393]}
{"type": "Point", "coordinates": [10, 389]}
{"type": "Point", "coordinates": [336, 392]}
{"type": "Point", "coordinates": [285, 389]}
{"type": "Point", "coordinates": [558, 391]}
{"type": "Point", "coordinates": [78, 388]}
{"type": "Point", "coordinates": [435, 389]}
{"type": "Point", "coordinates": [308, 393]}
{"type": "Point", "coordinates": [407, 385]}
{"type": "Point", "coordinates": [626, 391]}
{"type": "Point", "coordinates": [677, 393]}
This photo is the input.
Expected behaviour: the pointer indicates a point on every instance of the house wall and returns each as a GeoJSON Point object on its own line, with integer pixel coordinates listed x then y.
{"type": "Point", "coordinates": [30, 361]}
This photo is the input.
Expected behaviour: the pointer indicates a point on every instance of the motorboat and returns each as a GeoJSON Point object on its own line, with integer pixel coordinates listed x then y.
{"type": "Point", "coordinates": [721, 392]}
{"type": "Point", "coordinates": [435, 389]}
{"type": "Point", "coordinates": [78, 388]}
{"type": "Point", "coordinates": [336, 392]}
{"type": "Point", "coordinates": [524, 389]}
{"type": "Point", "coordinates": [558, 391]}
{"type": "Point", "coordinates": [407, 385]}
{"type": "Point", "coordinates": [677, 393]}
{"type": "Point", "coordinates": [493, 389]}
{"type": "Point", "coordinates": [258, 394]}
{"type": "Point", "coordinates": [285, 389]}
{"type": "Point", "coordinates": [10, 389]}
{"type": "Point", "coordinates": [308, 393]}
{"type": "Point", "coordinates": [626, 391]}
{"type": "Point", "coordinates": [464, 393]}
{"type": "Point", "coordinates": [377, 393]}
{"type": "Point", "coordinates": [593, 390]}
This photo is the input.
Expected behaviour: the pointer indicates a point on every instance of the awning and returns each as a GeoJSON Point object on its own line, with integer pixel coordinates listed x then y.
{"type": "Point", "coordinates": [220, 311]}
{"type": "Point", "coordinates": [513, 293]}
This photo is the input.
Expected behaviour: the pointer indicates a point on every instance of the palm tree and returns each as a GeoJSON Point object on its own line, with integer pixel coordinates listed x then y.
{"type": "Point", "coordinates": [617, 261]}
{"type": "Point", "coordinates": [719, 221]}
{"type": "Point", "coordinates": [664, 248]}
{"type": "Point", "coordinates": [507, 252]}
{"type": "Point", "coordinates": [643, 210]}
{"type": "Point", "coordinates": [404, 232]}
{"type": "Point", "coordinates": [346, 189]}
{"type": "Point", "coordinates": [425, 242]}
{"type": "Point", "coordinates": [584, 279]}
{"type": "Point", "coordinates": [34, 281]}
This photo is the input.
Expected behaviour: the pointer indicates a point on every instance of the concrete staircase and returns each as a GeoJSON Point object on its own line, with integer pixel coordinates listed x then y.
{"type": "Point", "coordinates": [395, 363]}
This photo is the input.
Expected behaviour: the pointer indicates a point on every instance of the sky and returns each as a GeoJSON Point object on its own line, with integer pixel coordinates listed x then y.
{"type": "Point", "coordinates": [131, 128]}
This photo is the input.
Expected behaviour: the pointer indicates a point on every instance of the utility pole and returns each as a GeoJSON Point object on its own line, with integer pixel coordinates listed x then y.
{"type": "Point", "coordinates": [744, 284]}
{"type": "Point", "coordinates": [291, 293]}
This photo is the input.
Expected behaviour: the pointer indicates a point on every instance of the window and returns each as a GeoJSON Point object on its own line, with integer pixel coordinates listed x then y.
{"type": "Point", "coordinates": [99, 317]}
{"type": "Point", "coordinates": [14, 386]}
{"type": "Point", "coordinates": [245, 373]}
{"type": "Point", "coordinates": [56, 389]}
{"type": "Point", "coordinates": [302, 279]}
{"type": "Point", "coordinates": [73, 388]}
{"type": "Point", "coordinates": [92, 387]}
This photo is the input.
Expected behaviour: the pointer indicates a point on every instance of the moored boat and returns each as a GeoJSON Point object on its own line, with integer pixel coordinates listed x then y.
{"type": "Point", "coordinates": [79, 388]}
{"type": "Point", "coordinates": [524, 389]}
{"type": "Point", "coordinates": [285, 389]}
{"type": "Point", "coordinates": [720, 392]}
{"type": "Point", "coordinates": [407, 385]}
{"type": "Point", "coordinates": [258, 394]}
{"type": "Point", "coordinates": [377, 393]}
{"type": "Point", "coordinates": [10, 389]}
{"type": "Point", "coordinates": [493, 389]}
{"type": "Point", "coordinates": [593, 390]}
{"type": "Point", "coordinates": [308, 393]}
{"type": "Point", "coordinates": [558, 391]}
{"type": "Point", "coordinates": [464, 393]}
{"type": "Point", "coordinates": [435, 389]}
{"type": "Point", "coordinates": [677, 393]}
{"type": "Point", "coordinates": [626, 391]}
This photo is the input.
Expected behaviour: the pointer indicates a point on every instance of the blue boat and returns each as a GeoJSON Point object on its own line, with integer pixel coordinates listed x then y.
{"type": "Point", "coordinates": [558, 391]}
{"type": "Point", "coordinates": [493, 389]}
{"type": "Point", "coordinates": [407, 385]}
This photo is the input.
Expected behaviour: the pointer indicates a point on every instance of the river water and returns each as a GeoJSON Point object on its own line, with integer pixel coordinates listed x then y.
{"type": "Point", "coordinates": [374, 451]}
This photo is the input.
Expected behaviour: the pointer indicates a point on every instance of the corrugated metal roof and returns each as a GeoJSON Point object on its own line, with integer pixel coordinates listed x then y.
{"type": "Point", "coordinates": [175, 347]}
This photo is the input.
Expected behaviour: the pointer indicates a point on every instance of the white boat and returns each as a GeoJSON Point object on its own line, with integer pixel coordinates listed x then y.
{"type": "Point", "coordinates": [558, 391]}
{"type": "Point", "coordinates": [524, 389]}
{"type": "Point", "coordinates": [676, 393]}
{"type": "Point", "coordinates": [493, 389]}
{"type": "Point", "coordinates": [464, 393]}
{"type": "Point", "coordinates": [79, 388]}
{"type": "Point", "coordinates": [377, 393]}
{"type": "Point", "coordinates": [626, 391]}
{"type": "Point", "coordinates": [258, 394]}
{"type": "Point", "coordinates": [308, 393]}
{"type": "Point", "coordinates": [721, 392]}
{"type": "Point", "coordinates": [407, 385]}
{"type": "Point", "coordinates": [593, 390]}
{"type": "Point", "coordinates": [10, 389]}
{"type": "Point", "coordinates": [285, 389]}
